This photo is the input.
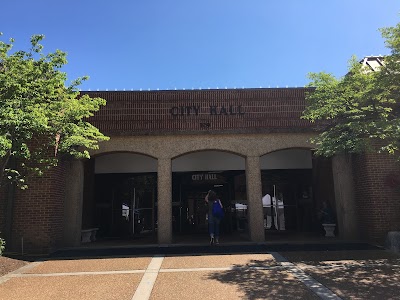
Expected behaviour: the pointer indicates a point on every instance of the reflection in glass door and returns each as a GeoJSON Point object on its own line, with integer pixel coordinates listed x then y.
{"type": "Point", "coordinates": [287, 200]}
{"type": "Point", "coordinates": [125, 205]}
{"type": "Point", "coordinates": [190, 211]}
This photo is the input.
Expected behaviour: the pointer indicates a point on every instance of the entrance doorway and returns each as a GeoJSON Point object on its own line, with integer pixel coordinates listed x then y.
{"type": "Point", "coordinates": [193, 175]}
{"type": "Point", "coordinates": [190, 211]}
{"type": "Point", "coordinates": [125, 205]}
{"type": "Point", "coordinates": [288, 202]}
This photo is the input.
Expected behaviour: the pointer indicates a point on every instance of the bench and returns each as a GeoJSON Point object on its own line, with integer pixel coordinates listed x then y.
{"type": "Point", "coordinates": [88, 235]}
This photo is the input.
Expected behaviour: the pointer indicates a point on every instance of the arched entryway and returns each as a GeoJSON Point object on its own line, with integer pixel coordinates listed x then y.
{"type": "Point", "coordinates": [121, 197]}
{"type": "Point", "coordinates": [294, 185]}
{"type": "Point", "coordinates": [193, 175]}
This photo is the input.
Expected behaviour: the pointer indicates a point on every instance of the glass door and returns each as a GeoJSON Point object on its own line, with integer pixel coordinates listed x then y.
{"type": "Point", "coordinates": [125, 205]}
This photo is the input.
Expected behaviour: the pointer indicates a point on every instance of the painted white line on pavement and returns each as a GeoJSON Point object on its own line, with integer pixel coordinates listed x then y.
{"type": "Point", "coordinates": [146, 285]}
{"type": "Point", "coordinates": [151, 268]}
{"type": "Point", "coordinates": [77, 273]}
{"type": "Point", "coordinates": [19, 271]}
{"type": "Point", "coordinates": [322, 291]}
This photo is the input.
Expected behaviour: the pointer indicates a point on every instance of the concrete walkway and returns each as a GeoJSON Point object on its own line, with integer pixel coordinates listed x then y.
{"type": "Point", "coordinates": [355, 274]}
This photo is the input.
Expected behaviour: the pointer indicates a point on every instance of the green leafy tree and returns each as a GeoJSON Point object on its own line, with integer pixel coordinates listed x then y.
{"type": "Point", "coordinates": [361, 110]}
{"type": "Point", "coordinates": [41, 118]}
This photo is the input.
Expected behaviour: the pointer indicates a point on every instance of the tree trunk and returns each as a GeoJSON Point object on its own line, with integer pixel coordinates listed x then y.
{"type": "Point", "coordinates": [3, 165]}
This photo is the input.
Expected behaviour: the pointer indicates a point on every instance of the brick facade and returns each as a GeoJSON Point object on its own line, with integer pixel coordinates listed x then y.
{"type": "Point", "coordinates": [38, 212]}
{"type": "Point", "coordinates": [202, 112]}
{"type": "Point", "coordinates": [378, 202]}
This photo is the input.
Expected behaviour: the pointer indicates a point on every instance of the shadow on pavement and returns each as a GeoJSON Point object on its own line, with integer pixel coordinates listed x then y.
{"type": "Point", "coordinates": [263, 283]}
{"type": "Point", "coordinates": [361, 274]}
{"type": "Point", "coordinates": [361, 280]}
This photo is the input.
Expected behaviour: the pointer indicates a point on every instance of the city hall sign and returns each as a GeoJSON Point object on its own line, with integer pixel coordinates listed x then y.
{"type": "Point", "coordinates": [213, 110]}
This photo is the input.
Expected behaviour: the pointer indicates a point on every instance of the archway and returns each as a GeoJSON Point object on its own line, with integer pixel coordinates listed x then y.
{"type": "Point", "coordinates": [120, 197]}
{"type": "Point", "coordinates": [292, 193]}
{"type": "Point", "coordinates": [193, 175]}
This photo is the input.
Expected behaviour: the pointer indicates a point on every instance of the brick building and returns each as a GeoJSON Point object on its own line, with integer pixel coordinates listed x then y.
{"type": "Point", "coordinates": [168, 148]}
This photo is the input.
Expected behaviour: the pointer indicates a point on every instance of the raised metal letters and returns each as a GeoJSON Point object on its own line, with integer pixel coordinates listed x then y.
{"type": "Point", "coordinates": [214, 110]}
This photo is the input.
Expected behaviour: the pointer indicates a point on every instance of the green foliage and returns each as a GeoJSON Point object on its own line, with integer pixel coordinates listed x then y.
{"type": "Point", "coordinates": [41, 118]}
{"type": "Point", "coordinates": [360, 111]}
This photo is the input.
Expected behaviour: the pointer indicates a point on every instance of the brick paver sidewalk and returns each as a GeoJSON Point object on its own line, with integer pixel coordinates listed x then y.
{"type": "Point", "coordinates": [368, 274]}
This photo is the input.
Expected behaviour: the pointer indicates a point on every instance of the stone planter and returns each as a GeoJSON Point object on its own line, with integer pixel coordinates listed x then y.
{"type": "Point", "coordinates": [329, 229]}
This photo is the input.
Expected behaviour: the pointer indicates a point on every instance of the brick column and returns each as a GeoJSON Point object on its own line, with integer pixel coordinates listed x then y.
{"type": "Point", "coordinates": [164, 212]}
{"type": "Point", "coordinates": [74, 180]}
{"type": "Point", "coordinates": [254, 198]}
{"type": "Point", "coordinates": [346, 209]}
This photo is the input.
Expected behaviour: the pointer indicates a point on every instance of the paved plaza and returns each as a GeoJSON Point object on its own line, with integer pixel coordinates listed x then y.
{"type": "Point", "coordinates": [311, 274]}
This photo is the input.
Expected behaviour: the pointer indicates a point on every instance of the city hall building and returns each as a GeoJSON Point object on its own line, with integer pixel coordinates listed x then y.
{"type": "Point", "coordinates": [147, 184]}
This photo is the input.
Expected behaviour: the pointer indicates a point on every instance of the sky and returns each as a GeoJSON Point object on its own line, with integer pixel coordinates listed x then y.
{"type": "Point", "coordinates": [187, 44]}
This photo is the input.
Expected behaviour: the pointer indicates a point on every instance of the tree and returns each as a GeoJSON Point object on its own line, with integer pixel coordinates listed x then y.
{"type": "Point", "coordinates": [361, 110]}
{"type": "Point", "coordinates": [41, 118]}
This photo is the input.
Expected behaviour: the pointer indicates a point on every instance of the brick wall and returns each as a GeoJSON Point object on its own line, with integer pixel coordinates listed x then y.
{"type": "Point", "coordinates": [378, 203]}
{"type": "Point", "coordinates": [38, 213]}
{"type": "Point", "coordinates": [202, 111]}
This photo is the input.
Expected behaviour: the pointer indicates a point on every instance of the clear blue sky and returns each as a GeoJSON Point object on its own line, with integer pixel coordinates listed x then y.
{"type": "Point", "coordinates": [184, 44]}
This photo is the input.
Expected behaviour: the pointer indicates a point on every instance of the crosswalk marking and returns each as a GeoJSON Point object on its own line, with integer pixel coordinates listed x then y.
{"type": "Point", "coordinates": [322, 291]}
{"type": "Point", "coordinates": [146, 285]}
